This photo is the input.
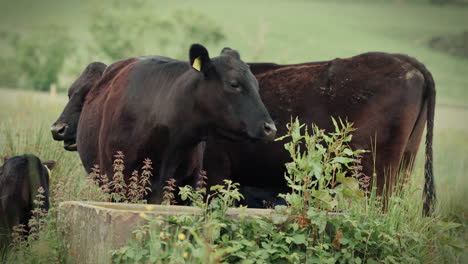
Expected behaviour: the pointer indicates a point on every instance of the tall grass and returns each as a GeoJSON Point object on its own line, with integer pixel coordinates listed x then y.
{"type": "Point", "coordinates": [306, 233]}
{"type": "Point", "coordinates": [283, 32]}
{"type": "Point", "coordinates": [25, 118]}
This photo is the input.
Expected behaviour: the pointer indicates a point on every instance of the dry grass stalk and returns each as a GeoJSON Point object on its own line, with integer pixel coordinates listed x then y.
{"type": "Point", "coordinates": [23, 233]}
{"type": "Point", "coordinates": [145, 178]}
{"type": "Point", "coordinates": [364, 180]}
{"type": "Point", "coordinates": [168, 192]}
{"type": "Point", "coordinates": [133, 194]}
{"type": "Point", "coordinates": [18, 237]}
{"type": "Point", "coordinates": [201, 182]}
{"type": "Point", "coordinates": [117, 189]}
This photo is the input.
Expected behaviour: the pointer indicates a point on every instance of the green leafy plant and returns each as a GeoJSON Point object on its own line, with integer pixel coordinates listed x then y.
{"type": "Point", "coordinates": [39, 57]}
{"type": "Point", "coordinates": [319, 173]}
{"type": "Point", "coordinates": [126, 30]}
{"type": "Point", "coordinates": [328, 218]}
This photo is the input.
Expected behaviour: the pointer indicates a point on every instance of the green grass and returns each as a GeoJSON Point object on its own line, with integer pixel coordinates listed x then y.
{"type": "Point", "coordinates": [278, 31]}
{"type": "Point", "coordinates": [25, 118]}
{"type": "Point", "coordinates": [401, 234]}
{"type": "Point", "coordinates": [288, 31]}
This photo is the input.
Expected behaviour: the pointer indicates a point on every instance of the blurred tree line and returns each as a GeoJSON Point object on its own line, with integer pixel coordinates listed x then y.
{"type": "Point", "coordinates": [449, 1]}
{"type": "Point", "coordinates": [36, 59]}
{"type": "Point", "coordinates": [124, 29]}
{"type": "Point", "coordinates": [50, 55]}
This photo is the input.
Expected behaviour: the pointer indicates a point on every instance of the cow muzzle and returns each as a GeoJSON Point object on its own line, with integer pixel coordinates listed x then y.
{"type": "Point", "coordinates": [269, 131]}
{"type": "Point", "coordinates": [59, 131]}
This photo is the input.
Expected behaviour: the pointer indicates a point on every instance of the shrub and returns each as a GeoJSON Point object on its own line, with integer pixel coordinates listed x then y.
{"type": "Point", "coordinates": [124, 30]}
{"type": "Point", "coordinates": [322, 176]}
{"type": "Point", "coordinates": [9, 74]}
{"type": "Point", "coordinates": [38, 57]}
{"type": "Point", "coordinates": [318, 171]}
{"type": "Point", "coordinates": [456, 45]}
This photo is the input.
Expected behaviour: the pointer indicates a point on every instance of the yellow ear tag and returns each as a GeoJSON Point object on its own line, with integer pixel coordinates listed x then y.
{"type": "Point", "coordinates": [48, 170]}
{"type": "Point", "coordinates": [197, 64]}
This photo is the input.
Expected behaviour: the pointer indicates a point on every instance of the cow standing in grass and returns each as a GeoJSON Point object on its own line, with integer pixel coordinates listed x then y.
{"type": "Point", "coordinates": [21, 178]}
{"type": "Point", "coordinates": [160, 108]}
{"type": "Point", "coordinates": [388, 97]}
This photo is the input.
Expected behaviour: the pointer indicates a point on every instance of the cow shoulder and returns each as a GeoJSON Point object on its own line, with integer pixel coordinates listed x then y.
{"type": "Point", "coordinates": [118, 69]}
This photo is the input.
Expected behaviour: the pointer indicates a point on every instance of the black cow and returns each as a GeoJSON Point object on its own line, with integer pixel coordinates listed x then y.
{"type": "Point", "coordinates": [388, 97]}
{"type": "Point", "coordinates": [20, 179]}
{"type": "Point", "coordinates": [161, 108]}
{"type": "Point", "coordinates": [391, 95]}
{"type": "Point", "coordinates": [63, 129]}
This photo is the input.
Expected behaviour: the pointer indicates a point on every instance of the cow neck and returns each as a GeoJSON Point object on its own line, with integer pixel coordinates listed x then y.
{"type": "Point", "coordinates": [179, 106]}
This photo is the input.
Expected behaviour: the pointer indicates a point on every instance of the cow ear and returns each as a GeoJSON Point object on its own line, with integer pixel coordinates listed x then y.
{"type": "Point", "coordinates": [6, 158]}
{"type": "Point", "coordinates": [199, 58]}
{"type": "Point", "coordinates": [230, 52]}
{"type": "Point", "coordinates": [49, 163]}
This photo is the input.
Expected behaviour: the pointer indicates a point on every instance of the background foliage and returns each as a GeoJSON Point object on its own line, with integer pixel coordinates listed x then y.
{"type": "Point", "coordinates": [37, 59]}
{"type": "Point", "coordinates": [129, 29]}
{"type": "Point", "coordinates": [273, 30]}
{"type": "Point", "coordinates": [278, 31]}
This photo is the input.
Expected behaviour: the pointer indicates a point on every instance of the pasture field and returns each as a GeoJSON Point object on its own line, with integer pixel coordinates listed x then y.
{"type": "Point", "coordinates": [26, 117]}
{"type": "Point", "coordinates": [278, 31]}
{"type": "Point", "coordinates": [281, 31]}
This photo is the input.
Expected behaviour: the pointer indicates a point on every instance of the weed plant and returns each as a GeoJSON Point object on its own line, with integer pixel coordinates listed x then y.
{"type": "Point", "coordinates": [329, 218]}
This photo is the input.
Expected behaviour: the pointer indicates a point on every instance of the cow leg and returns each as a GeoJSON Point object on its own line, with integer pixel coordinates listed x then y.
{"type": "Point", "coordinates": [191, 168]}
{"type": "Point", "coordinates": [385, 163]}
{"type": "Point", "coordinates": [174, 157]}
{"type": "Point", "coordinates": [414, 142]}
{"type": "Point", "coordinates": [167, 171]}
{"type": "Point", "coordinates": [217, 164]}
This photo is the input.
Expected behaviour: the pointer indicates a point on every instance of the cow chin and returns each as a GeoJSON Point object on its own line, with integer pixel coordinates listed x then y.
{"type": "Point", "coordinates": [70, 145]}
{"type": "Point", "coordinates": [233, 135]}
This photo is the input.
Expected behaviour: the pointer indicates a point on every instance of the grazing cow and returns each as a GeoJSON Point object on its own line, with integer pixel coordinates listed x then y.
{"type": "Point", "coordinates": [160, 108]}
{"type": "Point", "coordinates": [20, 179]}
{"type": "Point", "coordinates": [388, 97]}
{"type": "Point", "coordinates": [381, 93]}
{"type": "Point", "coordinates": [63, 129]}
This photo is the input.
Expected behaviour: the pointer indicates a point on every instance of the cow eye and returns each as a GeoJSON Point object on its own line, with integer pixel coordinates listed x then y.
{"type": "Point", "coordinates": [234, 84]}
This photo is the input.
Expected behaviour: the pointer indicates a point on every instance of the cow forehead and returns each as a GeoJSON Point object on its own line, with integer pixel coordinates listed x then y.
{"type": "Point", "coordinates": [229, 64]}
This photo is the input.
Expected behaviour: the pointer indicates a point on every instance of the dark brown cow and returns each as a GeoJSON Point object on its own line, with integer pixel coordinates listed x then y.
{"type": "Point", "coordinates": [64, 129]}
{"type": "Point", "coordinates": [160, 108]}
{"type": "Point", "coordinates": [20, 179]}
{"type": "Point", "coordinates": [388, 97]}
{"type": "Point", "coordinates": [367, 89]}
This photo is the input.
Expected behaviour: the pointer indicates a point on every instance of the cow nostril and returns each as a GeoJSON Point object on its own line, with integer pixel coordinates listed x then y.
{"type": "Point", "coordinates": [269, 128]}
{"type": "Point", "coordinates": [61, 131]}
{"type": "Point", "coordinates": [58, 131]}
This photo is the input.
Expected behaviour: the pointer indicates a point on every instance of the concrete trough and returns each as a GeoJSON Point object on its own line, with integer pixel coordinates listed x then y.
{"type": "Point", "coordinates": [93, 229]}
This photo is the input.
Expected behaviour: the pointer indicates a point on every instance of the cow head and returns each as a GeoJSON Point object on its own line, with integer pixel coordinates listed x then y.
{"type": "Point", "coordinates": [50, 164]}
{"type": "Point", "coordinates": [228, 95]}
{"type": "Point", "coordinates": [64, 129]}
